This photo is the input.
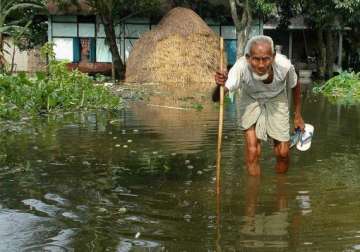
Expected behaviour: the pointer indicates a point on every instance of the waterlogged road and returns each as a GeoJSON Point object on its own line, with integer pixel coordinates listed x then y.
{"type": "Point", "coordinates": [143, 180]}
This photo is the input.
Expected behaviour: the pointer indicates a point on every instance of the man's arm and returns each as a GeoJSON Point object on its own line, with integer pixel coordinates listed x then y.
{"type": "Point", "coordinates": [220, 79]}
{"type": "Point", "coordinates": [230, 81]}
{"type": "Point", "coordinates": [298, 120]}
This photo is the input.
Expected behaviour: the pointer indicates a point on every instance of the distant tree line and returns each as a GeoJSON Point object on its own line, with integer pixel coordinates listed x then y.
{"type": "Point", "coordinates": [325, 17]}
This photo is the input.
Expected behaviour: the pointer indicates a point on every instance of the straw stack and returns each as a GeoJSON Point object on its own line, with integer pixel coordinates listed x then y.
{"type": "Point", "coordinates": [181, 49]}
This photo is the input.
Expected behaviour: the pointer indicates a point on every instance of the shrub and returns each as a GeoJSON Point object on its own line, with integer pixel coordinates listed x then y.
{"type": "Point", "coordinates": [343, 88]}
{"type": "Point", "coordinates": [59, 89]}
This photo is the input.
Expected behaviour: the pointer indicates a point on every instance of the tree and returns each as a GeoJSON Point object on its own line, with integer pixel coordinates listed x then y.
{"type": "Point", "coordinates": [242, 13]}
{"type": "Point", "coordinates": [112, 12]}
{"type": "Point", "coordinates": [327, 17]}
{"type": "Point", "coordinates": [9, 24]}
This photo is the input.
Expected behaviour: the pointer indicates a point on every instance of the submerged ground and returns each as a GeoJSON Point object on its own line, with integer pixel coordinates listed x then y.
{"type": "Point", "coordinates": [142, 179]}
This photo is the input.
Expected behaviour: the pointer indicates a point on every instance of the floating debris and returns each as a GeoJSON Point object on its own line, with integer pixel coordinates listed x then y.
{"type": "Point", "coordinates": [125, 146]}
{"type": "Point", "coordinates": [117, 145]}
{"type": "Point", "coordinates": [56, 198]}
{"type": "Point", "coordinates": [187, 161]}
{"type": "Point", "coordinates": [85, 162]}
{"type": "Point", "coordinates": [187, 217]}
{"type": "Point", "coordinates": [122, 210]}
{"type": "Point", "coordinates": [190, 167]}
{"type": "Point", "coordinates": [115, 121]}
{"type": "Point", "coordinates": [136, 131]}
{"type": "Point", "coordinates": [137, 235]}
{"type": "Point", "coordinates": [70, 215]}
{"type": "Point", "coordinates": [199, 172]}
{"type": "Point", "coordinates": [303, 192]}
{"type": "Point", "coordinates": [102, 210]}
{"type": "Point", "coordinates": [129, 141]}
{"type": "Point", "coordinates": [114, 138]}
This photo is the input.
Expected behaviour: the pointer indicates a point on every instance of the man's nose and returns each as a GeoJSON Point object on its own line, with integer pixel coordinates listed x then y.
{"type": "Point", "coordinates": [262, 63]}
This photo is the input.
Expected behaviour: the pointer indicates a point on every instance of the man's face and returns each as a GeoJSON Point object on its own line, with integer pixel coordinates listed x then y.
{"type": "Point", "coordinates": [260, 59]}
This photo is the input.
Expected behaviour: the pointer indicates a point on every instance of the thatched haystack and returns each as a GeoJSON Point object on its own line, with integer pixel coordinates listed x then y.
{"type": "Point", "coordinates": [181, 49]}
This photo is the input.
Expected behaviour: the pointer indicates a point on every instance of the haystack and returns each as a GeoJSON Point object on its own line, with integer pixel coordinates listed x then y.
{"type": "Point", "coordinates": [181, 49]}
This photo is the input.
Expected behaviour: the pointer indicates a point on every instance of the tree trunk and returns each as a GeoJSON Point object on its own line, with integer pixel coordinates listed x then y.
{"type": "Point", "coordinates": [2, 57]}
{"type": "Point", "coordinates": [243, 25]}
{"type": "Point", "coordinates": [13, 60]}
{"type": "Point", "coordinates": [111, 36]}
{"type": "Point", "coordinates": [322, 53]}
{"type": "Point", "coordinates": [330, 53]}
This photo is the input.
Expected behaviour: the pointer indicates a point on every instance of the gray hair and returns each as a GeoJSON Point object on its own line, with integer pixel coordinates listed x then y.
{"type": "Point", "coordinates": [258, 39]}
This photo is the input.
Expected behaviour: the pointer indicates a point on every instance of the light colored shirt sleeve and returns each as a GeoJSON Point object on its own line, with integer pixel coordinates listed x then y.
{"type": "Point", "coordinates": [235, 76]}
{"type": "Point", "coordinates": [291, 77]}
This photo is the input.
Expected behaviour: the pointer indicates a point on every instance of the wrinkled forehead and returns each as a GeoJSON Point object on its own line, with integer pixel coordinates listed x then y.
{"type": "Point", "coordinates": [261, 48]}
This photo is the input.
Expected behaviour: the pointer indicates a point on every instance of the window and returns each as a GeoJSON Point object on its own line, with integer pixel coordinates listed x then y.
{"type": "Point", "coordinates": [86, 30]}
{"type": "Point", "coordinates": [64, 30]}
{"type": "Point", "coordinates": [63, 48]}
{"type": "Point", "coordinates": [102, 51]}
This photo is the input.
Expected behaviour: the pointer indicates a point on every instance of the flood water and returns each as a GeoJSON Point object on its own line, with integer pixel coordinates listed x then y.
{"type": "Point", "coordinates": [143, 179]}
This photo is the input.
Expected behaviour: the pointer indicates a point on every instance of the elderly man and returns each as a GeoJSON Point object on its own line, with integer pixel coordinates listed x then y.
{"type": "Point", "coordinates": [264, 78]}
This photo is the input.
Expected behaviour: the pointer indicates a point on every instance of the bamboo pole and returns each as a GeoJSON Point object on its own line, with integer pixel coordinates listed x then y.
{"type": "Point", "coordinates": [221, 121]}
{"type": "Point", "coordinates": [218, 155]}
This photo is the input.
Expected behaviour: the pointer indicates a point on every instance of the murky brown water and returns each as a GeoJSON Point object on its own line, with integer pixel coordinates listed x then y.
{"type": "Point", "coordinates": [143, 180]}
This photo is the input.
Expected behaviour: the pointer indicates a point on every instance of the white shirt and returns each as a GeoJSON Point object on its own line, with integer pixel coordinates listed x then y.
{"type": "Point", "coordinates": [240, 76]}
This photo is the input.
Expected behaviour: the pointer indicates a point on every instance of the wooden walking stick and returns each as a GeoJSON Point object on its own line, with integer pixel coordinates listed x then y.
{"type": "Point", "coordinates": [218, 155]}
{"type": "Point", "coordinates": [221, 121]}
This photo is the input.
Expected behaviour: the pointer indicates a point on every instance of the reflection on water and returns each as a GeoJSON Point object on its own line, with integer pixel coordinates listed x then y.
{"type": "Point", "coordinates": [257, 225]}
{"type": "Point", "coordinates": [143, 180]}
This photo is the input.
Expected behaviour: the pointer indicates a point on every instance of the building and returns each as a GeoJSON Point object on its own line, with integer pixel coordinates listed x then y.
{"type": "Point", "coordinates": [79, 37]}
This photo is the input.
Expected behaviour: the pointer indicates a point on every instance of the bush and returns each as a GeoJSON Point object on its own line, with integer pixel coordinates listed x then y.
{"type": "Point", "coordinates": [59, 89]}
{"type": "Point", "coordinates": [343, 88]}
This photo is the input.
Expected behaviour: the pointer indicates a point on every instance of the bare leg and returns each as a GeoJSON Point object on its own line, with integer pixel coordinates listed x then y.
{"type": "Point", "coordinates": [252, 152]}
{"type": "Point", "coordinates": [282, 156]}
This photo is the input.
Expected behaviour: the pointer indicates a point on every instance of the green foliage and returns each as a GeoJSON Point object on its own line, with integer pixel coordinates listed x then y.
{"type": "Point", "coordinates": [343, 88]}
{"type": "Point", "coordinates": [324, 13]}
{"type": "Point", "coordinates": [60, 89]}
{"type": "Point", "coordinates": [263, 7]}
{"type": "Point", "coordinates": [12, 23]}
{"type": "Point", "coordinates": [46, 51]}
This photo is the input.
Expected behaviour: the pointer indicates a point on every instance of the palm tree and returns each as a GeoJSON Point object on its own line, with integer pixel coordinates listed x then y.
{"type": "Point", "coordinates": [8, 26]}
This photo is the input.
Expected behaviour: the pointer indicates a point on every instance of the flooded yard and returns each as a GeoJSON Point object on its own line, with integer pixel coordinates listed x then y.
{"type": "Point", "coordinates": [143, 180]}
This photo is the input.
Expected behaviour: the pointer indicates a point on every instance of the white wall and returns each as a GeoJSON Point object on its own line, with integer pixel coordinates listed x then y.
{"type": "Point", "coordinates": [21, 57]}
